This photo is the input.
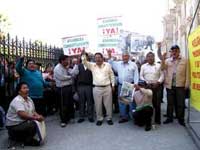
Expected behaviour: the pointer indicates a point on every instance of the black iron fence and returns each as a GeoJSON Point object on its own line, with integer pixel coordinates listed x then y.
{"type": "Point", "coordinates": [13, 48]}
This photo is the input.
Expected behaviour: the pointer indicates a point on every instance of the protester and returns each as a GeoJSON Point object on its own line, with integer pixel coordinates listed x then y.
{"type": "Point", "coordinates": [152, 74]}
{"type": "Point", "coordinates": [49, 92]}
{"type": "Point", "coordinates": [144, 110]}
{"type": "Point", "coordinates": [63, 76]}
{"type": "Point", "coordinates": [103, 82]}
{"type": "Point", "coordinates": [127, 71]}
{"type": "Point", "coordinates": [21, 116]}
{"type": "Point", "coordinates": [176, 83]}
{"type": "Point", "coordinates": [74, 61]}
{"type": "Point", "coordinates": [84, 86]}
{"type": "Point", "coordinates": [34, 79]}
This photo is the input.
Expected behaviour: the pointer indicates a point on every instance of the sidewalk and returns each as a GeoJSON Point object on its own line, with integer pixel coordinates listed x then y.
{"type": "Point", "coordinates": [194, 125]}
{"type": "Point", "coordinates": [88, 136]}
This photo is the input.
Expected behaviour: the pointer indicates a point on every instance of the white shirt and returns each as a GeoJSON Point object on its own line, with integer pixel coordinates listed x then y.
{"type": "Point", "coordinates": [102, 75]}
{"type": "Point", "coordinates": [151, 73]}
{"type": "Point", "coordinates": [64, 76]}
{"type": "Point", "coordinates": [19, 104]}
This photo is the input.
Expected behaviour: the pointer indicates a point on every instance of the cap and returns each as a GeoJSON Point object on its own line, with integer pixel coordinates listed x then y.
{"type": "Point", "coordinates": [175, 47]}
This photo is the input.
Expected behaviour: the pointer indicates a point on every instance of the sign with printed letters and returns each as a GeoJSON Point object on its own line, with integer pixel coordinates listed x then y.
{"type": "Point", "coordinates": [194, 57]}
{"type": "Point", "coordinates": [74, 45]}
{"type": "Point", "coordinates": [108, 34]}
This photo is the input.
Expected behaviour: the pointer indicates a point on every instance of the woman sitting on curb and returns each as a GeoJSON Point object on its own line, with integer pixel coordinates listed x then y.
{"type": "Point", "coordinates": [21, 117]}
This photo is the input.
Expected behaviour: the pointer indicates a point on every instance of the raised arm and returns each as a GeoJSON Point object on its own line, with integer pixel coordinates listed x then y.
{"type": "Point", "coordinates": [136, 74]}
{"type": "Point", "coordinates": [113, 63]}
{"type": "Point", "coordinates": [19, 66]}
{"type": "Point", "coordinates": [142, 73]}
{"type": "Point", "coordinates": [163, 62]}
{"type": "Point", "coordinates": [161, 79]}
{"type": "Point", "coordinates": [85, 62]}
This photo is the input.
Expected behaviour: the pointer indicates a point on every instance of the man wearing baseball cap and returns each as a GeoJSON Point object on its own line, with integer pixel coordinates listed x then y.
{"type": "Point", "coordinates": [176, 82]}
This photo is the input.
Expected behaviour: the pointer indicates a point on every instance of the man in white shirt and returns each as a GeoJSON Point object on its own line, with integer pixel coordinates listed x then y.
{"type": "Point", "coordinates": [63, 76]}
{"type": "Point", "coordinates": [103, 82]}
{"type": "Point", "coordinates": [151, 73]}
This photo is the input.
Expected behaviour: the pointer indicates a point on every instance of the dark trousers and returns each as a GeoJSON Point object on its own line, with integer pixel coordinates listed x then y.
{"type": "Point", "coordinates": [143, 117]}
{"type": "Point", "coordinates": [157, 98]}
{"type": "Point", "coordinates": [50, 100]}
{"type": "Point", "coordinates": [23, 132]}
{"type": "Point", "coordinates": [86, 101]}
{"type": "Point", "coordinates": [115, 100]}
{"type": "Point", "coordinates": [176, 99]}
{"type": "Point", "coordinates": [3, 98]}
{"type": "Point", "coordinates": [40, 106]}
{"type": "Point", "coordinates": [66, 104]}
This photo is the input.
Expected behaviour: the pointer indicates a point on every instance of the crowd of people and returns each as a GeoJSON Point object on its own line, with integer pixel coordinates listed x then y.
{"type": "Point", "coordinates": [93, 87]}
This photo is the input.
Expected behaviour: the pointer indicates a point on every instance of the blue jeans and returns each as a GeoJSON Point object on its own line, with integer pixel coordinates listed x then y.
{"type": "Point", "coordinates": [122, 107]}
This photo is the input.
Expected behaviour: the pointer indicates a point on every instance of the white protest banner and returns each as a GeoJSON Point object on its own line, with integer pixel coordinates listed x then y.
{"type": "Point", "coordinates": [132, 41]}
{"type": "Point", "coordinates": [108, 34]}
{"type": "Point", "coordinates": [74, 45]}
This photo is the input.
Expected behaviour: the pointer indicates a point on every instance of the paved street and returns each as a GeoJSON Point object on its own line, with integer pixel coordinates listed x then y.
{"type": "Point", "coordinates": [88, 136]}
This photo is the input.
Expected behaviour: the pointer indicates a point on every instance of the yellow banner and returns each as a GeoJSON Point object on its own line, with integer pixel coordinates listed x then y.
{"type": "Point", "coordinates": [194, 57]}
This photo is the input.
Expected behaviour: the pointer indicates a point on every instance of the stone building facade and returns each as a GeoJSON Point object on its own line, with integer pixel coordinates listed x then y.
{"type": "Point", "coordinates": [176, 23]}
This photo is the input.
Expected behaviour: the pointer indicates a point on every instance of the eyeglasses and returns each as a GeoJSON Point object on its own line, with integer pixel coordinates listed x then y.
{"type": "Point", "coordinates": [31, 63]}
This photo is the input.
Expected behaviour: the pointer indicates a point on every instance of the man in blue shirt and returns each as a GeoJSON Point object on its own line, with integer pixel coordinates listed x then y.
{"type": "Point", "coordinates": [127, 71]}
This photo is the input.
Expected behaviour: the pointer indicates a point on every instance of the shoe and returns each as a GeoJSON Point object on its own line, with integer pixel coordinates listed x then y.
{"type": "Point", "coordinates": [123, 120]}
{"type": "Point", "coordinates": [167, 121]}
{"type": "Point", "coordinates": [33, 142]}
{"type": "Point", "coordinates": [81, 120]}
{"type": "Point", "coordinates": [91, 119]}
{"type": "Point", "coordinates": [63, 124]}
{"type": "Point", "coordinates": [147, 128]}
{"type": "Point", "coordinates": [72, 120]}
{"type": "Point", "coordinates": [165, 115]}
{"type": "Point", "coordinates": [158, 122]}
{"type": "Point", "coordinates": [99, 123]}
{"type": "Point", "coordinates": [116, 111]}
{"type": "Point", "coordinates": [110, 122]}
{"type": "Point", "coordinates": [181, 123]}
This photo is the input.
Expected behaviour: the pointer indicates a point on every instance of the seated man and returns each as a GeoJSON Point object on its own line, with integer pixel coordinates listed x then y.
{"type": "Point", "coordinates": [144, 110]}
{"type": "Point", "coordinates": [21, 117]}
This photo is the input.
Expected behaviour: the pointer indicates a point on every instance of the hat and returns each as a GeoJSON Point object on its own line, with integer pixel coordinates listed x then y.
{"type": "Point", "coordinates": [175, 47]}
{"type": "Point", "coordinates": [141, 83]}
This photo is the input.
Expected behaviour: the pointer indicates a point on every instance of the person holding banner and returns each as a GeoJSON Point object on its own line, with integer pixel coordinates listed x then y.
{"type": "Point", "coordinates": [176, 83]}
{"type": "Point", "coordinates": [84, 88]}
{"type": "Point", "coordinates": [21, 117]}
{"type": "Point", "coordinates": [127, 71]}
